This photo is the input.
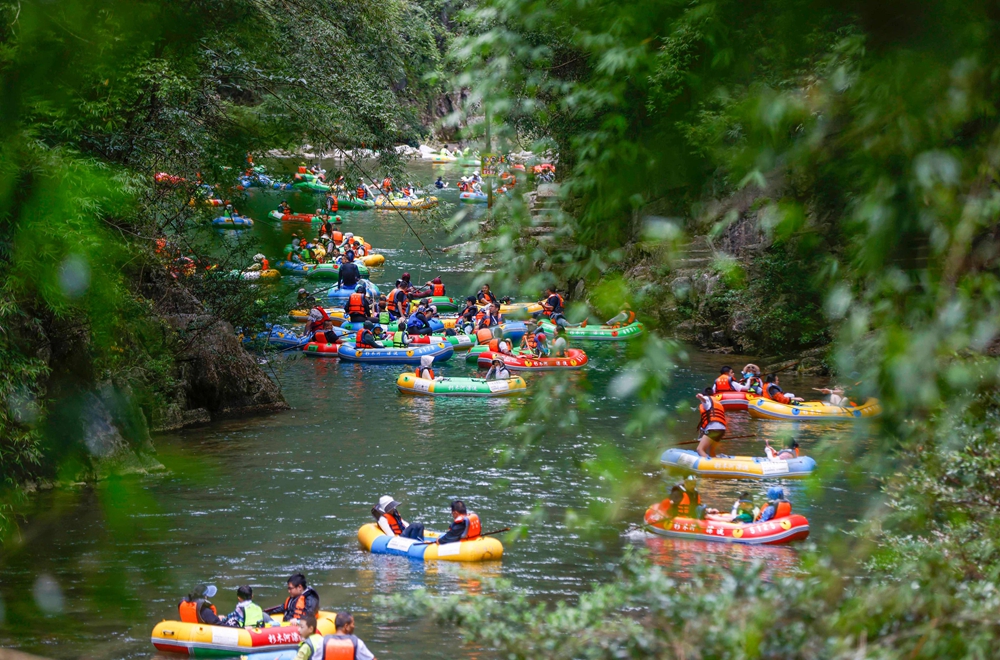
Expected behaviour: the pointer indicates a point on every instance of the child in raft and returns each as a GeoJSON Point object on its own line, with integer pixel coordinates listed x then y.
{"type": "Point", "coordinates": [788, 453]}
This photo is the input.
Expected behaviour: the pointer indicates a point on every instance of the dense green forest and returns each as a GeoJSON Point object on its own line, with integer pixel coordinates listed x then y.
{"type": "Point", "coordinates": [856, 143]}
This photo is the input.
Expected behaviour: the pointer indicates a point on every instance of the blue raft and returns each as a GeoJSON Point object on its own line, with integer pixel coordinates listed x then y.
{"type": "Point", "coordinates": [339, 296]}
{"type": "Point", "coordinates": [282, 337]}
{"type": "Point", "coordinates": [234, 222]}
{"type": "Point", "coordinates": [737, 467]}
{"type": "Point", "coordinates": [440, 351]}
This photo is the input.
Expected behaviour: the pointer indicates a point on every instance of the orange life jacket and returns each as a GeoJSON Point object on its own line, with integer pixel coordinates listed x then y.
{"type": "Point", "coordinates": [358, 342]}
{"type": "Point", "coordinates": [722, 384]}
{"type": "Point", "coordinates": [333, 203]}
{"type": "Point", "coordinates": [361, 192]}
{"type": "Point", "coordinates": [392, 302]}
{"type": "Point", "coordinates": [782, 510]}
{"type": "Point", "coordinates": [483, 336]}
{"type": "Point", "coordinates": [777, 395]}
{"type": "Point", "coordinates": [395, 522]}
{"type": "Point", "coordinates": [427, 373]}
{"type": "Point", "coordinates": [300, 606]}
{"type": "Point", "coordinates": [188, 610]}
{"type": "Point", "coordinates": [716, 414]}
{"type": "Point", "coordinates": [386, 183]}
{"type": "Point", "coordinates": [437, 290]}
{"type": "Point", "coordinates": [529, 340]}
{"type": "Point", "coordinates": [265, 264]}
{"type": "Point", "coordinates": [303, 170]}
{"type": "Point", "coordinates": [340, 647]}
{"type": "Point", "coordinates": [338, 237]}
{"type": "Point", "coordinates": [562, 304]}
{"type": "Point", "coordinates": [356, 304]}
{"type": "Point", "coordinates": [494, 344]}
{"type": "Point", "coordinates": [475, 528]}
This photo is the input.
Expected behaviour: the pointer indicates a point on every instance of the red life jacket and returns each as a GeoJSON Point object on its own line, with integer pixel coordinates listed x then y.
{"type": "Point", "coordinates": [189, 610]}
{"type": "Point", "coordinates": [782, 509]}
{"type": "Point", "coordinates": [356, 304]}
{"type": "Point", "coordinates": [437, 290]}
{"type": "Point", "coordinates": [361, 192]}
{"type": "Point", "coordinates": [716, 414]}
{"type": "Point", "coordinates": [333, 204]}
{"type": "Point", "coordinates": [395, 522]}
{"type": "Point", "coordinates": [265, 264]}
{"type": "Point", "coordinates": [722, 384]}
{"type": "Point", "coordinates": [303, 170]}
{"type": "Point", "coordinates": [386, 183]}
{"type": "Point", "coordinates": [475, 528]}
{"type": "Point", "coordinates": [340, 647]}
{"type": "Point", "coordinates": [358, 342]}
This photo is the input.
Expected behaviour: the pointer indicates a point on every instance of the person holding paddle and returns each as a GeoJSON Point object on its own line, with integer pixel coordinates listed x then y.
{"type": "Point", "coordinates": [465, 525]}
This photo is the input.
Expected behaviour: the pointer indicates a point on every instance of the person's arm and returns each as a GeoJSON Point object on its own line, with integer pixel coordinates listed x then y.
{"type": "Point", "coordinates": [277, 609]}
{"type": "Point", "coordinates": [383, 524]}
{"type": "Point", "coordinates": [737, 386]}
{"type": "Point", "coordinates": [489, 373]}
{"type": "Point", "coordinates": [453, 534]}
{"type": "Point", "coordinates": [363, 653]}
{"type": "Point", "coordinates": [210, 617]}
{"type": "Point", "coordinates": [312, 603]}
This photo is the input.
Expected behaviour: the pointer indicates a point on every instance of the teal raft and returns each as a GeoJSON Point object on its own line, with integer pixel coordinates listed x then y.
{"type": "Point", "coordinates": [332, 271]}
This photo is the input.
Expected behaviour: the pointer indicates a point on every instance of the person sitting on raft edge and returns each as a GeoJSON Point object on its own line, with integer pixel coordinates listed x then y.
{"type": "Point", "coordinates": [247, 614]}
{"type": "Point", "coordinates": [465, 525]}
{"type": "Point", "coordinates": [386, 512]}
{"type": "Point", "coordinates": [196, 608]}
{"type": "Point", "coordinates": [302, 600]}
{"type": "Point", "coordinates": [726, 383]}
{"type": "Point", "coordinates": [777, 505]}
{"type": "Point", "coordinates": [773, 391]}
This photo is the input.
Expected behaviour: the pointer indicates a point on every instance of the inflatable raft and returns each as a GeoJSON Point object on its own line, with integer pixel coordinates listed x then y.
{"type": "Point", "coordinates": [281, 337]}
{"type": "Point", "coordinates": [203, 640]}
{"type": "Point", "coordinates": [375, 541]}
{"type": "Point", "coordinates": [294, 217]}
{"type": "Point", "coordinates": [371, 260]}
{"type": "Point", "coordinates": [408, 383]}
{"type": "Point", "coordinates": [340, 295]}
{"type": "Point", "coordinates": [574, 359]}
{"type": "Point", "coordinates": [316, 349]}
{"type": "Point", "coordinates": [473, 197]}
{"type": "Point", "coordinates": [435, 324]}
{"type": "Point", "coordinates": [444, 304]}
{"type": "Point", "coordinates": [331, 271]}
{"type": "Point", "coordinates": [315, 186]}
{"type": "Point", "coordinates": [734, 400]}
{"type": "Point", "coordinates": [348, 203]}
{"type": "Point", "coordinates": [234, 222]}
{"type": "Point", "coordinates": [737, 467]}
{"type": "Point", "coordinates": [294, 267]}
{"type": "Point", "coordinates": [253, 275]}
{"type": "Point", "coordinates": [420, 204]}
{"type": "Point", "coordinates": [520, 310]}
{"type": "Point", "coordinates": [811, 410]}
{"type": "Point", "coordinates": [599, 332]}
{"type": "Point", "coordinates": [773, 532]}
{"type": "Point", "coordinates": [336, 314]}
{"type": "Point", "coordinates": [440, 351]}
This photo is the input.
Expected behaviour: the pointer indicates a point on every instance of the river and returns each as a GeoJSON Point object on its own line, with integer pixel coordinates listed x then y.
{"type": "Point", "coordinates": [251, 501]}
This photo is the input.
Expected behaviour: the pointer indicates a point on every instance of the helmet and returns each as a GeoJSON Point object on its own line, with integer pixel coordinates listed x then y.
{"type": "Point", "coordinates": [301, 291]}
{"type": "Point", "coordinates": [775, 493]}
{"type": "Point", "coordinates": [369, 325]}
{"type": "Point", "coordinates": [336, 218]}
{"type": "Point", "coordinates": [436, 280]}
{"type": "Point", "coordinates": [406, 276]}
{"type": "Point", "coordinates": [359, 288]}
{"type": "Point", "coordinates": [258, 257]}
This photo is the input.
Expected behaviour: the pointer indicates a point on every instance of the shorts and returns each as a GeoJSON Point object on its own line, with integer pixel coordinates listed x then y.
{"type": "Point", "coordinates": [715, 435]}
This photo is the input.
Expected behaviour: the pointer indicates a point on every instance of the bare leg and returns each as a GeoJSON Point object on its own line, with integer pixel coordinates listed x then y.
{"type": "Point", "coordinates": [705, 448]}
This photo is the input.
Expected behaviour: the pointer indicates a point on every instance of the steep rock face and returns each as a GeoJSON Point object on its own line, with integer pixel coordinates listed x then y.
{"type": "Point", "coordinates": [217, 377]}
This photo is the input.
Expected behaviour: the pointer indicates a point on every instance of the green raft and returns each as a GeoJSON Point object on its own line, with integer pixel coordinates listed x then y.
{"type": "Point", "coordinates": [332, 271]}
{"type": "Point", "coordinates": [444, 304]}
{"type": "Point", "coordinates": [478, 350]}
{"type": "Point", "coordinates": [348, 203]}
{"type": "Point", "coordinates": [599, 332]}
{"type": "Point", "coordinates": [315, 186]}
{"type": "Point", "coordinates": [409, 383]}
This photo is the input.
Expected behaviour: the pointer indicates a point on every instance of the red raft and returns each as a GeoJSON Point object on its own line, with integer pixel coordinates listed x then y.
{"type": "Point", "coordinates": [734, 400]}
{"type": "Point", "coordinates": [293, 217]}
{"type": "Point", "coordinates": [776, 531]}
{"type": "Point", "coordinates": [317, 349]}
{"type": "Point", "coordinates": [574, 359]}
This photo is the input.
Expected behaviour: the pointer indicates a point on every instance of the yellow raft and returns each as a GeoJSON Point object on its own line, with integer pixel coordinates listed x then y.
{"type": "Point", "coordinates": [762, 408]}
{"type": "Point", "coordinates": [203, 640]}
{"type": "Point", "coordinates": [336, 314]}
{"type": "Point", "coordinates": [372, 260]}
{"type": "Point", "coordinates": [375, 541]}
{"type": "Point", "coordinates": [382, 202]}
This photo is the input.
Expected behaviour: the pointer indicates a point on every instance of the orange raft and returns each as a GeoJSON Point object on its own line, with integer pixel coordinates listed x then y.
{"type": "Point", "coordinates": [574, 359]}
{"type": "Point", "coordinates": [776, 531]}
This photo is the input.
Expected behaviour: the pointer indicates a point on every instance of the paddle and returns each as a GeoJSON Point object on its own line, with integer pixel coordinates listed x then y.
{"type": "Point", "coordinates": [497, 531]}
{"type": "Point", "coordinates": [734, 437]}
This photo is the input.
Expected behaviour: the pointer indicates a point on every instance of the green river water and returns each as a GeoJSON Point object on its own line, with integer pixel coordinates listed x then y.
{"type": "Point", "coordinates": [250, 501]}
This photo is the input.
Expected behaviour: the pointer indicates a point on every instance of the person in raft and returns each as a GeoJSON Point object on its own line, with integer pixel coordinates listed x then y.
{"type": "Point", "coordinates": [345, 645]}
{"type": "Point", "coordinates": [713, 423]}
{"type": "Point", "coordinates": [773, 391]}
{"type": "Point", "coordinates": [386, 512]}
{"type": "Point", "coordinates": [836, 396]}
{"type": "Point", "coordinates": [497, 370]}
{"type": "Point", "coordinates": [196, 608]}
{"type": "Point", "coordinates": [426, 370]}
{"type": "Point", "coordinates": [726, 383]}
{"type": "Point", "coordinates": [284, 208]}
{"type": "Point", "coordinates": [788, 453]}
{"type": "Point", "coordinates": [684, 500]}
{"type": "Point", "coordinates": [247, 614]}
{"type": "Point", "coordinates": [777, 505]}
{"type": "Point", "coordinates": [752, 380]}
{"type": "Point", "coordinates": [310, 641]}
{"type": "Point", "coordinates": [743, 511]}
{"type": "Point", "coordinates": [465, 525]}
{"type": "Point", "coordinates": [302, 600]}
